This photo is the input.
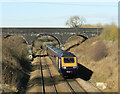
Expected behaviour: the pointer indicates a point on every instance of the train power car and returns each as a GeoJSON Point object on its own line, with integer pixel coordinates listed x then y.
{"type": "Point", "coordinates": [64, 61]}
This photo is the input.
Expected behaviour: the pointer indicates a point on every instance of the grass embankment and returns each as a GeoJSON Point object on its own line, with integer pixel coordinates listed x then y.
{"type": "Point", "coordinates": [101, 56]}
{"type": "Point", "coordinates": [14, 62]}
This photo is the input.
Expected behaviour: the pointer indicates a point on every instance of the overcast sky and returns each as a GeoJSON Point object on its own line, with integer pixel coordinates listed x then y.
{"type": "Point", "coordinates": [45, 14]}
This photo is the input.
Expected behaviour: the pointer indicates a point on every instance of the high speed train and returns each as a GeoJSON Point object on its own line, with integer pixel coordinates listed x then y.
{"type": "Point", "coordinates": [64, 61]}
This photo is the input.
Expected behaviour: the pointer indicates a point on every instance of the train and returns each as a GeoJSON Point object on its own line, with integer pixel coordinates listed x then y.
{"type": "Point", "coordinates": [66, 62]}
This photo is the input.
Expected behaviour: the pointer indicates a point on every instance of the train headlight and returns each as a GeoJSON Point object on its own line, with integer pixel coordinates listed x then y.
{"type": "Point", "coordinates": [64, 67]}
{"type": "Point", "coordinates": [74, 67]}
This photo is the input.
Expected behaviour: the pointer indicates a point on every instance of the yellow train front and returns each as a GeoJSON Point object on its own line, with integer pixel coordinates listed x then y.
{"type": "Point", "coordinates": [64, 61]}
{"type": "Point", "coordinates": [68, 64]}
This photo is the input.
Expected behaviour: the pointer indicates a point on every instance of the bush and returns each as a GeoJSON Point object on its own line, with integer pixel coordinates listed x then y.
{"type": "Point", "coordinates": [110, 32]}
{"type": "Point", "coordinates": [100, 51]}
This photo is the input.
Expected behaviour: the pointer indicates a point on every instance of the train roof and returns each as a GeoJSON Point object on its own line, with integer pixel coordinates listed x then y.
{"type": "Point", "coordinates": [60, 52]}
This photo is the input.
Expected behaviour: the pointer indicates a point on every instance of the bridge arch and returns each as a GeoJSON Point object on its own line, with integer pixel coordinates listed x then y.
{"type": "Point", "coordinates": [8, 35]}
{"type": "Point", "coordinates": [72, 45]}
{"type": "Point", "coordinates": [84, 37]}
{"type": "Point", "coordinates": [48, 35]}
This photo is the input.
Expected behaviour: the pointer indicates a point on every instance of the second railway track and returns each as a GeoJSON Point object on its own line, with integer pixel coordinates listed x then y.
{"type": "Point", "coordinates": [51, 77]}
{"type": "Point", "coordinates": [42, 79]}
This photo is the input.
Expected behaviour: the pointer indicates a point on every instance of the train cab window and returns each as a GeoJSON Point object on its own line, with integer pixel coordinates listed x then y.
{"type": "Point", "coordinates": [68, 60]}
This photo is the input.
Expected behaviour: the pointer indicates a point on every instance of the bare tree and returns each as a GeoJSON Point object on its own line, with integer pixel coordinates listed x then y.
{"type": "Point", "coordinates": [76, 21]}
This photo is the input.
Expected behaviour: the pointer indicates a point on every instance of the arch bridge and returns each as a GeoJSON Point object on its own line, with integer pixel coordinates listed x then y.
{"type": "Point", "coordinates": [60, 34]}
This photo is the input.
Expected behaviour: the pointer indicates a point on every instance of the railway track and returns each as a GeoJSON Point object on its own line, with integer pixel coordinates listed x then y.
{"type": "Point", "coordinates": [68, 83]}
{"type": "Point", "coordinates": [42, 79]}
{"type": "Point", "coordinates": [74, 86]}
{"type": "Point", "coordinates": [49, 81]}
{"type": "Point", "coordinates": [81, 86]}
{"type": "Point", "coordinates": [50, 75]}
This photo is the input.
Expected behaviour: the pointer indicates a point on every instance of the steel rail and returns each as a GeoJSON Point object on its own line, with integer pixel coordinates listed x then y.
{"type": "Point", "coordinates": [101, 92]}
{"type": "Point", "coordinates": [81, 86]}
{"type": "Point", "coordinates": [42, 79]}
{"type": "Point", "coordinates": [72, 90]}
{"type": "Point", "coordinates": [50, 76]}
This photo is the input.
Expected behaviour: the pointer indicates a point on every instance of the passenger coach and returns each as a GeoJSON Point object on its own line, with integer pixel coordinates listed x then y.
{"type": "Point", "coordinates": [64, 61]}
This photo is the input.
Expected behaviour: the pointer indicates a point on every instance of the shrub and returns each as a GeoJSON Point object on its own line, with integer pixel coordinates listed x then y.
{"type": "Point", "coordinates": [100, 51]}
{"type": "Point", "coordinates": [110, 32]}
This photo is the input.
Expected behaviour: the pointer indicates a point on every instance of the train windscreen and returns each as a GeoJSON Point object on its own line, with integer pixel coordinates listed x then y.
{"type": "Point", "coordinates": [68, 60]}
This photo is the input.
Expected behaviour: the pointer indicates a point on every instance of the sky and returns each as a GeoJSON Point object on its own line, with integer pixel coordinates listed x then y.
{"type": "Point", "coordinates": [55, 14]}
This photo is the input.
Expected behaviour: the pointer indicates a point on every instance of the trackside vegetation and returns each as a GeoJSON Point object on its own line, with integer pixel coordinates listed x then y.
{"type": "Point", "coordinates": [109, 33]}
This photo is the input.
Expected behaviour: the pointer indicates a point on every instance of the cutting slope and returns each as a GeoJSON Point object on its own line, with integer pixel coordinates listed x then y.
{"type": "Point", "coordinates": [102, 58]}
